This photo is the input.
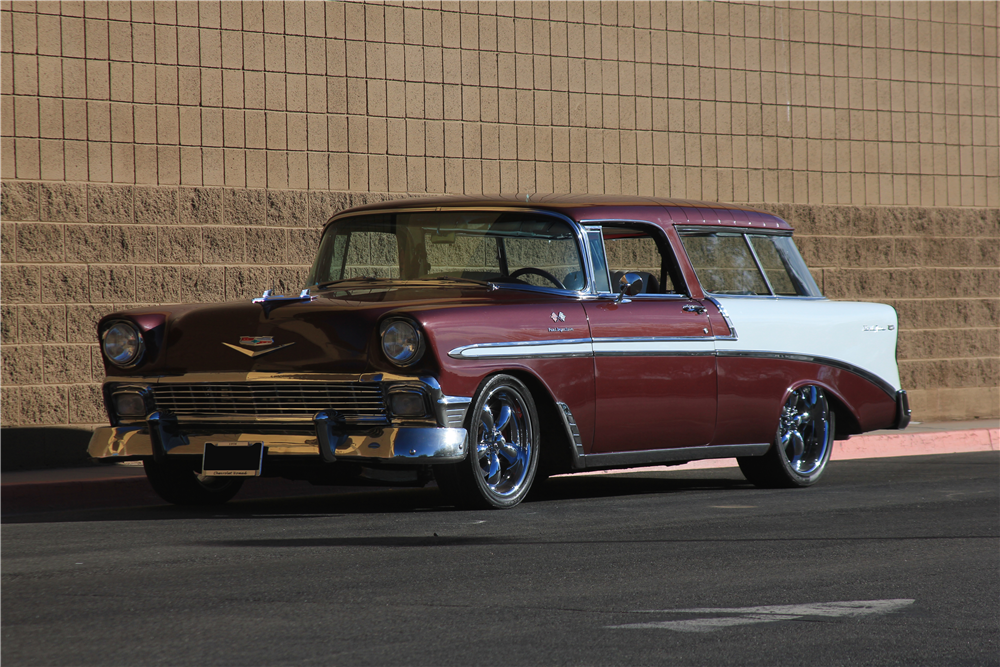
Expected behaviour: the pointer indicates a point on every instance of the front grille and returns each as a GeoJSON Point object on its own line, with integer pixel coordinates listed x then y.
{"type": "Point", "coordinates": [356, 401]}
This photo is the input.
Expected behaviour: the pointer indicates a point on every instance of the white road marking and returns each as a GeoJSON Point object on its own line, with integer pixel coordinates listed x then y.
{"type": "Point", "coordinates": [765, 614]}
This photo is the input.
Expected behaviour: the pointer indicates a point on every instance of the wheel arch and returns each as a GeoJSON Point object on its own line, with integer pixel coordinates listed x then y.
{"type": "Point", "coordinates": [556, 454]}
{"type": "Point", "coordinates": [847, 422]}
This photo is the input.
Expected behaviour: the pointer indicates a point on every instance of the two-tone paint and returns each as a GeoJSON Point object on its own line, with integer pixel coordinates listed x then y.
{"type": "Point", "coordinates": [646, 379]}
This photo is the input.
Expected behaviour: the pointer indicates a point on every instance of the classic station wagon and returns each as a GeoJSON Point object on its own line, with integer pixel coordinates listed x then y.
{"type": "Point", "coordinates": [489, 342]}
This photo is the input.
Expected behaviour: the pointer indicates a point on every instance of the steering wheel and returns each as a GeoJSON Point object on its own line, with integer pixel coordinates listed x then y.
{"type": "Point", "coordinates": [538, 272]}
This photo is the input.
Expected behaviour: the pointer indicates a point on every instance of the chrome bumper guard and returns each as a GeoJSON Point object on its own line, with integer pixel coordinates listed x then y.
{"type": "Point", "coordinates": [902, 410]}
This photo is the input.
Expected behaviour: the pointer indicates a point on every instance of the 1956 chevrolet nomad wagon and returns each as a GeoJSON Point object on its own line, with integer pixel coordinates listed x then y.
{"type": "Point", "coordinates": [487, 343]}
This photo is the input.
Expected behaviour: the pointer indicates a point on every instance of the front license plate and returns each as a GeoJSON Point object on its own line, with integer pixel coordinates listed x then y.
{"type": "Point", "coordinates": [232, 459]}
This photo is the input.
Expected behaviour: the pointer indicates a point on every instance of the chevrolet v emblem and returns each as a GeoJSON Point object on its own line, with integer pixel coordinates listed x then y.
{"type": "Point", "coordinates": [256, 341]}
{"type": "Point", "coordinates": [251, 353]}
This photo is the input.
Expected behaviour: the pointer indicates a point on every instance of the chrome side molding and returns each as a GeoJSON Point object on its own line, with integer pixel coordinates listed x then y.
{"type": "Point", "coordinates": [680, 454]}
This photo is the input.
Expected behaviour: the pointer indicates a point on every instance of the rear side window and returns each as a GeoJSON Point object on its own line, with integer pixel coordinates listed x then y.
{"type": "Point", "coordinates": [783, 265]}
{"type": "Point", "coordinates": [748, 264]}
{"type": "Point", "coordinates": [725, 264]}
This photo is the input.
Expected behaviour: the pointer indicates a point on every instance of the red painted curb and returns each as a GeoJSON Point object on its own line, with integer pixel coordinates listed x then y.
{"type": "Point", "coordinates": [872, 446]}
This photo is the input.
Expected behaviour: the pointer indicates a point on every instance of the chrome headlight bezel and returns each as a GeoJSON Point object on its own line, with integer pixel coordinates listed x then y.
{"type": "Point", "coordinates": [412, 342]}
{"type": "Point", "coordinates": [132, 353]}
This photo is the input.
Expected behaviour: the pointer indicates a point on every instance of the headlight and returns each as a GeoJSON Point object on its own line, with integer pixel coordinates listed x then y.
{"type": "Point", "coordinates": [123, 344]}
{"type": "Point", "coordinates": [401, 342]}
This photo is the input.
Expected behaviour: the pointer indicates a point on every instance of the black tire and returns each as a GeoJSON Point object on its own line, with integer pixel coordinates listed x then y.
{"type": "Point", "coordinates": [181, 485]}
{"type": "Point", "coordinates": [503, 448]}
{"type": "Point", "coordinates": [802, 444]}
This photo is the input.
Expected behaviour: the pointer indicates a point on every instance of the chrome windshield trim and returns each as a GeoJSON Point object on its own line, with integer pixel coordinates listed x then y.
{"type": "Point", "coordinates": [581, 241]}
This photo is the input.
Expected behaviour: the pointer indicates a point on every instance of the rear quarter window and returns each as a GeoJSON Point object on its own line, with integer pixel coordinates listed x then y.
{"type": "Point", "coordinates": [749, 264]}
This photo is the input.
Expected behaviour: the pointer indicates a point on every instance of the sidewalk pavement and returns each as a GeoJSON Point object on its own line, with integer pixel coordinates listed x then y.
{"type": "Point", "coordinates": [124, 484]}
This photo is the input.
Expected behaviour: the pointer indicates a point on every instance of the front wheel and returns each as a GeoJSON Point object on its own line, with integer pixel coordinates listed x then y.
{"type": "Point", "coordinates": [802, 445]}
{"type": "Point", "coordinates": [503, 453]}
{"type": "Point", "coordinates": [183, 486]}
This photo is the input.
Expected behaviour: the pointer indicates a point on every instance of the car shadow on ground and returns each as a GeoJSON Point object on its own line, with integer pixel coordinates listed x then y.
{"type": "Point", "coordinates": [383, 500]}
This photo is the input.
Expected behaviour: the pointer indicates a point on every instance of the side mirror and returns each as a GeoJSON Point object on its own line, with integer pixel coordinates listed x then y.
{"type": "Point", "coordinates": [629, 284]}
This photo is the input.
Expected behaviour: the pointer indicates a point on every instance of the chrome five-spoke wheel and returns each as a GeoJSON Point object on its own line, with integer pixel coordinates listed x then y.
{"type": "Point", "coordinates": [802, 445]}
{"type": "Point", "coordinates": [804, 430]}
{"type": "Point", "coordinates": [504, 441]}
{"type": "Point", "coordinates": [503, 427]}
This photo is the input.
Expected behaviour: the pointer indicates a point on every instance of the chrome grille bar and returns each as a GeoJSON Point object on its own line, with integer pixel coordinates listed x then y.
{"type": "Point", "coordinates": [356, 401]}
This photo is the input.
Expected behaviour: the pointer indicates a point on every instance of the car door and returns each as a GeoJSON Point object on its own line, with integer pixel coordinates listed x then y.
{"type": "Point", "coordinates": [654, 353]}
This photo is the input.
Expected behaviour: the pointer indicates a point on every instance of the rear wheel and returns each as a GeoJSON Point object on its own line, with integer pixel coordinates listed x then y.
{"type": "Point", "coordinates": [181, 485]}
{"type": "Point", "coordinates": [801, 447]}
{"type": "Point", "coordinates": [503, 454]}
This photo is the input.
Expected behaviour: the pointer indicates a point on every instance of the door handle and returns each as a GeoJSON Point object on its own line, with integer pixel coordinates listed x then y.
{"type": "Point", "coordinates": [690, 308]}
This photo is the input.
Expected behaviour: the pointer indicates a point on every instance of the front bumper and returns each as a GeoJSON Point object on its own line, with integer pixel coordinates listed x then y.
{"type": "Point", "coordinates": [406, 445]}
{"type": "Point", "coordinates": [224, 408]}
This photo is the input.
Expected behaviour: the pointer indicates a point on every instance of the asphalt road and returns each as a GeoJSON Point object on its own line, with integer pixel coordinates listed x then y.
{"type": "Point", "coordinates": [885, 562]}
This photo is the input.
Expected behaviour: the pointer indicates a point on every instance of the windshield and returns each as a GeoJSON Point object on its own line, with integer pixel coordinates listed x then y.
{"type": "Point", "coordinates": [486, 246]}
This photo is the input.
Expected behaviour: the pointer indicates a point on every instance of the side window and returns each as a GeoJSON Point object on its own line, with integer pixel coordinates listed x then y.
{"type": "Point", "coordinates": [636, 250]}
{"type": "Point", "coordinates": [724, 264]}
{"type": "Point", "coordinates": [783, 265]}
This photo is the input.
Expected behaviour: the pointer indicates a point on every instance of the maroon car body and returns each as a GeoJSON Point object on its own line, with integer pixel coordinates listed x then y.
{"type": "Point", "coordinates": [635, 331]}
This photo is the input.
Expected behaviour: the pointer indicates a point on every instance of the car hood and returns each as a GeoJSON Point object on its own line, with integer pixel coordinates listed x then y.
{"type": "Point", "coordinates": [333, 333]}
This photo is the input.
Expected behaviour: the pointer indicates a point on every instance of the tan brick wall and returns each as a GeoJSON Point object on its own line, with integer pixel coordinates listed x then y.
{"type": "Point", "coordinates": [155, 152]}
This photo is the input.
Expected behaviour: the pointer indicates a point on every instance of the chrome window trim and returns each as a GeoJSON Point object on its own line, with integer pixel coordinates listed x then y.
{"type": "Point", "coordinates": [646, 297]}
{"type": "Point", "coordinates": [722, 311]}
{"type": "Point", "coordinates": [581, 245]}
{"type": "Point", "coordinates": [686, 229]}
{"type": "Point", "coordinates": [745, 233]}
{"type": "Point", "coordinates": [587, 231]}
{"type": "Point", "coordinates": [760, 267]}
{"type": "Point", "coordinates": [773, 297]}
{"type": "Point", "coordinates": [648, 223]}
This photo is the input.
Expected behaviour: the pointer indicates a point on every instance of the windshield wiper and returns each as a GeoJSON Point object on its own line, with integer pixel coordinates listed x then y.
{"type": "Point", "coordinates": [462, 280]}
{"type": "Point", "coordinates": [364, 279]}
